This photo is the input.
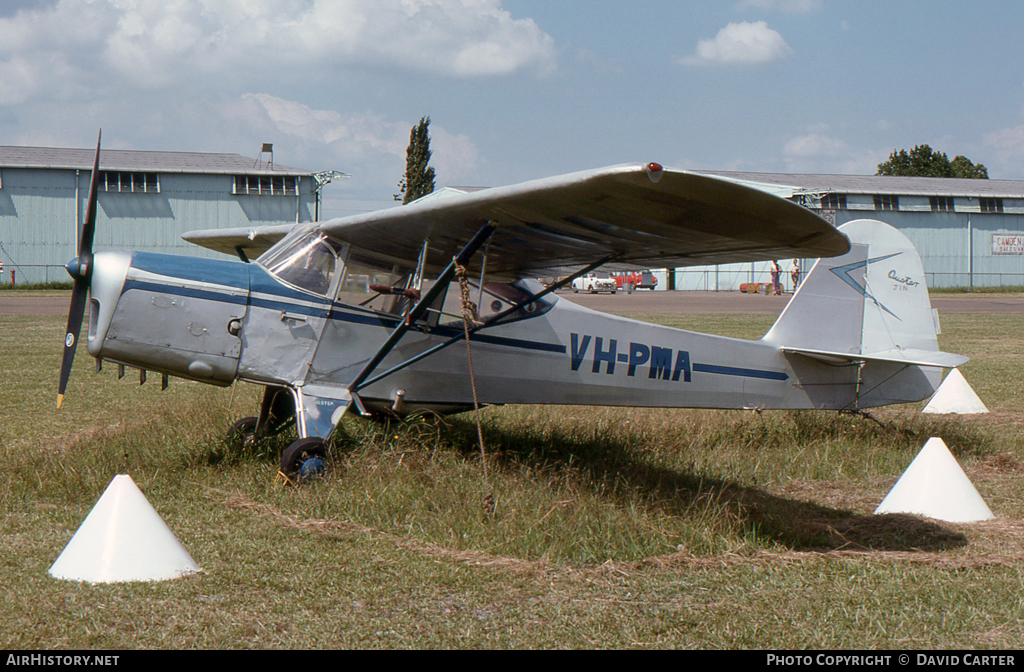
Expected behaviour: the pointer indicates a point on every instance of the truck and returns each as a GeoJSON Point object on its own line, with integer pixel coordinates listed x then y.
{"type": "Point", "coordinates": [630, 280]}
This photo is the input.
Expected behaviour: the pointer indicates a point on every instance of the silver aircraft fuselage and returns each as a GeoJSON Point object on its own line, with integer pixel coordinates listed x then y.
{"type": "Point", "coordinates": [217, 321]}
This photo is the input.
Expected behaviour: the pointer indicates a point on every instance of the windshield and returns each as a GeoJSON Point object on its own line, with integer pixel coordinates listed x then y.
{"type": "Point", "coordinates": [306, 259]}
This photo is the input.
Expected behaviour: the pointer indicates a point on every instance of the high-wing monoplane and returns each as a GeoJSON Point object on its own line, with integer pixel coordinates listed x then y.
{"type": "Point", "coordinates": [358, 314]}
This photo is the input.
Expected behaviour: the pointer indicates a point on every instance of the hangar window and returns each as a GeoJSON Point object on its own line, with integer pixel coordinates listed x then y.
{"type": "Point", "coordinates": [266, 185]}
{"type": "Point", "coordinates": [833, 202]}
{"type": "Point", "coordinates": [884, 202]}
{"type": "Point", "coordinates": [129, 183]}
{"type": "Point", "coordinates": [991, 204]}
{"type": "Point", "coordinates": [941, 203]}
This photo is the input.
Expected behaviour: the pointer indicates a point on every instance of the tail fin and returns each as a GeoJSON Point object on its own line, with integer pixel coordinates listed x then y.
{"type": "Point", "coordinates": [870, 304]}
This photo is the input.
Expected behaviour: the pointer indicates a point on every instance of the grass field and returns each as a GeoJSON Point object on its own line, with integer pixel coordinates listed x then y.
{"type": "Point", "coordinates": [610, 527]}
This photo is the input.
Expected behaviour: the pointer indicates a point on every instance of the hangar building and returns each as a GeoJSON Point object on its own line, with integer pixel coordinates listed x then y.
{"type": "Point", "coordinates": [970, 233]}
{"type": "Point", "coordinates": [146, 201]}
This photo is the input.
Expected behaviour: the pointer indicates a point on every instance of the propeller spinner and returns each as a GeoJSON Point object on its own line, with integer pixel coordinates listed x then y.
{"type": "Point", "coordinates": [80, 268]}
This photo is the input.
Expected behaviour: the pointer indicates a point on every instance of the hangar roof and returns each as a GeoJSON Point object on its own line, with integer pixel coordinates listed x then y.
{"type": "Point", "coordinates": [876, 184]}
{"type": "Point", "coordinates": [137, 161]}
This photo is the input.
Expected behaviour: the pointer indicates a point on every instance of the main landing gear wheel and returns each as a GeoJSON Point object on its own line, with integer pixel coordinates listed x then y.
{"type": "Point", "coordinates": [304, 459]}
{"type": "Point", "coordinates": [243, 433]}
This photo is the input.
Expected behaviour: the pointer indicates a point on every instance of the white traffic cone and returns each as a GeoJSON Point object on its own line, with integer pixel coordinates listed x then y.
{"type": "Point", "coordinates": [123, 539]}
{"type": "Point", "coordinates": [955, 395]}
{"type": "Point", "coordinates": [935, 486]}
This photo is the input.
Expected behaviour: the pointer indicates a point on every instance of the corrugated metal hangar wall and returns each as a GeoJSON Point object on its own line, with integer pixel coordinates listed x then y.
{"type": "Point", "coordinates": [146, 201]}
{"type": "Point", "coordinates": [970, 233]}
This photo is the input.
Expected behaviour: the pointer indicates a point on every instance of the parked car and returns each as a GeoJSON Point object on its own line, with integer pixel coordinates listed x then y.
{"type": "Point", "coordinates": [595, 282]}
{"type": "Point", "coordinates": [631, 280]}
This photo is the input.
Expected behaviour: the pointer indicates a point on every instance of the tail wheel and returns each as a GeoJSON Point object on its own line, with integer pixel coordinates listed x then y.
{"type": "Point", "coordinates": [304, 459]}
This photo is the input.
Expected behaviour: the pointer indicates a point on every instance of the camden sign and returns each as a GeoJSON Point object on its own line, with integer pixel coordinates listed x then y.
{"type": "Point", "coordinates": [1007, 243]}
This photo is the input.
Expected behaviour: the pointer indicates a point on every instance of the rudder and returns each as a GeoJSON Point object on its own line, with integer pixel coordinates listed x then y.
{"type": "Point", "coordinates": [873, 299]}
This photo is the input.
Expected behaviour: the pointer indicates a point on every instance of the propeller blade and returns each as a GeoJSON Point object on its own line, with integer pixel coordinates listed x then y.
{"type": "Point", "coordinates": [76, 311]}
{"type": "Point", "coordinates": [89, 225]}
{"type": "Point", "coordinates": [81, 270]}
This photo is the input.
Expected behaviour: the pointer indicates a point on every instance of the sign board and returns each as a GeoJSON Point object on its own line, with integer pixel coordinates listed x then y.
{"type": "Point", "coordinates": [1007, 243]}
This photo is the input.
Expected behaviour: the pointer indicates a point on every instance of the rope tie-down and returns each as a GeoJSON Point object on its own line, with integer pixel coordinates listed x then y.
{"type": "Point", "coordinates": [470, 317]}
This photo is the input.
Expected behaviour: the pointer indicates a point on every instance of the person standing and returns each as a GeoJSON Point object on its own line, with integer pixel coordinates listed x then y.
{"type": "Point", "coordinates": [794, 274]}
{"type": "Point", "coordinates": [776, 275]}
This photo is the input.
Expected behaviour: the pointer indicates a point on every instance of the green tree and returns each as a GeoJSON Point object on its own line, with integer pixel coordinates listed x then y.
{"type": "Point", "coordinates": [923, 161]}
{"type": "Point", "coordinates": [419, 176]}
{"type": "Point", "coordinates": [962, 167]}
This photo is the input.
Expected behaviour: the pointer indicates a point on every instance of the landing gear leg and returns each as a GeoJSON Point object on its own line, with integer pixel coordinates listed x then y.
{"type": "Point", "coordinates": [276, 411]}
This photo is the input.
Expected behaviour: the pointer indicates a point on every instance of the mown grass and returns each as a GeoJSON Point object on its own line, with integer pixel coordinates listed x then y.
{"type": "Point", "coordinates": [609, 527]}
{"type": "Point", "coordinates": [35, 286]}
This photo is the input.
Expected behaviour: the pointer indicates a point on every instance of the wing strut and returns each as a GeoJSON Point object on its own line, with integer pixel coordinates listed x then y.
{"type": "Point", "coordinates": [493, 321]}
{"type": "Point", "coordinates": [421, 306]}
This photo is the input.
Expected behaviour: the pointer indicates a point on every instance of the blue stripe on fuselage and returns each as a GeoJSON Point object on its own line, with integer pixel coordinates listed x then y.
{"type": "Point", "coordinates": [214, 271]}
{"type": "Point", "coordinates": [267, 292]}
{"type": "Point", "coordinates": [734, 371]}
{"type": "Point", "coordinates": [192, 292]}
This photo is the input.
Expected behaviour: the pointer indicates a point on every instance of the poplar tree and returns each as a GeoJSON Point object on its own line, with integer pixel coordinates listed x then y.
{"type": "Point", "coordinates": [419, 176]}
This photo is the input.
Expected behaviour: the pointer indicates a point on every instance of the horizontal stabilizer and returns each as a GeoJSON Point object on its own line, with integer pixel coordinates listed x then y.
{"type": "Point", "coordinates": [946, 360]}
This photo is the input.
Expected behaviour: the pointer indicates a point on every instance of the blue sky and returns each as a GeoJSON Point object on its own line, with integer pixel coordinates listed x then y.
{"type": "Point", "coordinates": [520, 89]}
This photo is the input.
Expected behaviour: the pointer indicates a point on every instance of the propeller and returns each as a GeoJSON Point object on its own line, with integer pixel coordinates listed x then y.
{"type": "Point", "coordinates": [80, 268]}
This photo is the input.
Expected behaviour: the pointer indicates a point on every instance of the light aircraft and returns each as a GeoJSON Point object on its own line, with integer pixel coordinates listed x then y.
{"type": "Point", "coordinates": [359, 313]}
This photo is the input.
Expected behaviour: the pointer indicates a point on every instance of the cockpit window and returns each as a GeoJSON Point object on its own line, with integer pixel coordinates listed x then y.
{"type": "Point", "coordinates": [306, 259]}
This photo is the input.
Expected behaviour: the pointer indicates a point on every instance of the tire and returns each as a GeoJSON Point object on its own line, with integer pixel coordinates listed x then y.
{"type": "Point", "coordinates": [304, 459]}
{"type": "Point", "coordinates": [243, 433]}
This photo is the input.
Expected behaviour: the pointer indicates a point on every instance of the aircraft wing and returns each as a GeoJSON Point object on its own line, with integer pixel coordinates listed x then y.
{"type": "Point", "coordinates": [639, 215]}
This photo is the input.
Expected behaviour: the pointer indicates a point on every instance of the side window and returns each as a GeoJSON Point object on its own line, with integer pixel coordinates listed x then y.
{"type": "Point", "coordinates": [375, 285]}
{"type": "Point", "coordinates": [495, 298]}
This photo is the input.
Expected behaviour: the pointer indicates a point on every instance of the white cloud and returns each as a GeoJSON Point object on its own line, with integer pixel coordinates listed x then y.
{"type": "Point", "coordinates": [1011, 139]}
{"type": "Point", "coordinates": [814, 145]}
{"type": "Point", "coordinates": [818, 152]}
{"type": "Point", "coordinates": [163, 43]}
{"type": "Point", "coordinates": [741, 44]}
{"type": "Point", "coordinates": [368, 141]}
{"type": "Point", "coordinates": [1004, 153]}
{"type": "Point", "coordinates": [785, 6]}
